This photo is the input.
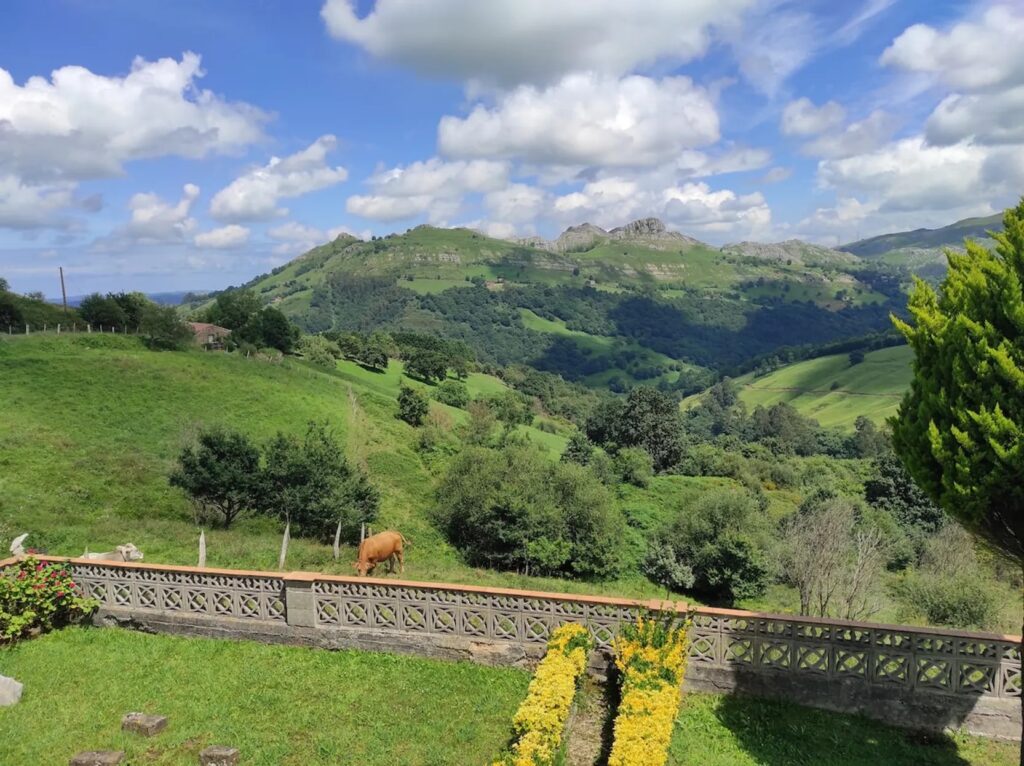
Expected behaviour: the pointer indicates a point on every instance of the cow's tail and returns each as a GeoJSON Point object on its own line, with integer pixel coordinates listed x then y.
{"type": "Point", "coordinates": [405, 540]}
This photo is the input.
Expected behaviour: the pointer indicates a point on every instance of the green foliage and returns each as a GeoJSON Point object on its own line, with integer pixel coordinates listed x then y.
{"type": "Point", "coordinates": [634, 466]}
{"type": "Point", "coordinates": [162, 328]}
{"type": "Point", "coordinates": [960, 428]}
{"type": "Point", "coordinates": [319, 350]}
{"type": "Point", "coordinates": [102, 311]}
{"type": "Point", "coordinates": [512, 508]}
{"type": "Point", "coordinates": [310, 484]}
{"type": "Point", "coordinates": [453, 393]}
{"type": "Point", "coordinates": [10, 310]}
{"type": "Point", "coordinates": [891, 488]}
{"type": "Point", "coordinates": [648, 419]}
{"type": "Point", "coordinates": [220, 473]}
{"type": "Point", "coordinates": [413, 405]}
{"type": "Point", "coordinates": [35, 596]}
{"type": "Point", "coordinates": [717, 546]}
{"type": "Point", "coordinates": [268, 328]}
{"type": "Point", "coordinates": [511, 409]}
{"type": "Point", "coordinates": [579, 450]}
{"type": "Point", "coordinates": [957, 602]}
{"type": "Point", "coordinates": [428, 366]}
{"type": "Point", "coordinates": [233, 309]}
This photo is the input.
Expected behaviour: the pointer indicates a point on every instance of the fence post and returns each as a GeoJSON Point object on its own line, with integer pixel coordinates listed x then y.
{"type": "Point", "coordinates": [26, 328]}
{"type": "Point", "coordinates": [58, 328]}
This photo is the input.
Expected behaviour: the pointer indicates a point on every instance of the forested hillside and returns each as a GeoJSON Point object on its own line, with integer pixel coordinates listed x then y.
{"type": "Point", "coordinates": [609, 309]}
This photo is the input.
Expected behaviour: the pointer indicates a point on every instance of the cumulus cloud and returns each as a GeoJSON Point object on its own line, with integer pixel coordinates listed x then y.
{"type": "Point", "coordinates": [254, 196]}
{"type": "Point", "coordinates": [432, 187]}
{"type": "Point", "coordinates": [776, 175]}
{"type": "Point", "coordinates": [857, 138]}
{"type": "Point", "coordinates": [79, 125]}
{"type": "Point", "coordinates": [971, 55]}
{"type": "Point", "coordinates": [587, 119]}
{"type": "Point", "coordinates": [803, 118]}
{"type": "Point", "coordinates": [983, 118]}
{"type": "Point", "coordinates": [516, 203]}
{"type": "Point", "coordinates": [223, 238]}
{"type": "Point", "coordinates": [23, 206]}
{"type": "Point", "coordinates": [294, 237]}
{"type": "Point", "coordinates": [153, 221]}
{"type": "Point", "coordinates": [508, 42]}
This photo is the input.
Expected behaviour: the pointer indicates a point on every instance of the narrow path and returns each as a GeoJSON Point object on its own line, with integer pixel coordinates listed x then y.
{"type": "Point", "coordinates": [588, 735]}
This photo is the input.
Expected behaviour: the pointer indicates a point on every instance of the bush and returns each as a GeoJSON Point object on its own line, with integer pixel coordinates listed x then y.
{"type": "Point", "coordinates": [513, 509]}
{"type": "Point", "coordinates": [163, 329]}
{"type": "Point", "coordinates": [453, 393]}
{"type": "Point", "coordinates": [719, 542]}
{"type": "Point", "coordinates": [579, 450]}
{"type": "Point", "coordinates": [37, 597]}
{"type": "Point", "coordinates": [219, 474]}
{"type": "Point", "coordinates": [310, 484]}
{"type": "Point", "coordinates": [413, 405]}
{"type": "Point", "coordinates": [634, 466]}
{"type": "Point", "coordinates": [957, 602]}
{"type": "Point", "coordinates": [319, 350]}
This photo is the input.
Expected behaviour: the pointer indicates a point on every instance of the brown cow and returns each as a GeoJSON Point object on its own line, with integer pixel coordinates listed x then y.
{"type": "Point", "coordinates": [383, 546]}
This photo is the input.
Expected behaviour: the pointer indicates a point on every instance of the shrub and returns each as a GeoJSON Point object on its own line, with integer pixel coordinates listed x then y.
{"type": "Point", "coordinates": [540, 721]}
{"type": "Point", "coordinates": [219, 473]}
{"type": "Point", "coordinates": [453, 393]}
{"type": "Point", "coordinates": [720, 541]}
{"type": "Point", "coordinates": [310, 484]}
{"type": "Point", "coordinates": [579, 449]}
{"type": "Point", "coordinates": [634, 466]}
{"type": "Point", "coordinates": [413, 405]}
{"type": "Point", "coordinates": [35, 596]}
{"type": "Point", "coordinates": [319, 350]}
{"type": "Point", "coordinates": [651, 657]}
{"type": "Point", "coordinates": [958, 602]}
{"type": "Point", "coordinates": [163, 329]}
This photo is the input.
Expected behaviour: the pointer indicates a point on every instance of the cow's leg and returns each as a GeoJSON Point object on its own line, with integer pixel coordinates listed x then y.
{"type": "Point", "coordinates": [401, 561]}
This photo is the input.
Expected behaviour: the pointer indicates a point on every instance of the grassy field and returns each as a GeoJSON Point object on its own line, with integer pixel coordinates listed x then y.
{"type": "Point", "coordinates": [92, 426]}
{"type": "Point", "coordinates": [285, 706]}
{"type": "Point", "coordinates": [872, 388]}
{"type": "Point", "coordinates": [280, 706]}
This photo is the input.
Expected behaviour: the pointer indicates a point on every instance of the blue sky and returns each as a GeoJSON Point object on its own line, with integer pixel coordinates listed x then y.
{"type": "Point", "coordinates": [192, 145]}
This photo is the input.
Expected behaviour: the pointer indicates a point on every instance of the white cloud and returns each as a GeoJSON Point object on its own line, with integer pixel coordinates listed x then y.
{"type": "Point", "coordinates": [857, 138]}
{"type": "Point", "coordinates": [432, 187]}
{"type": "Point", "coordinates": [153, 221]}
{"type": "Point", "coordinates": [294, 237]}
{"type": "Point", "coordinates": [587, 119]}
{"type": "Point", "coordinates": [516, 203]}
{"type": "Point", "coordinates": [803, 118]}
{"type": "Point", "coordinates": [254, 196]}
{"type": "Point", "coordinates": [23, 206]}
{"type": "Point", "coordinates": [776, 175]}
{"type": "Point", "coordinates": [508, 42]}
{"type": "Point", "coordinates": [224, 238]}
{"type": "Point", "coordinates": [986, 118]}
{"type": "Point", "coordinates": [773, 42]}
{"type": "Point", "coordinates": [79, 125]}
{"type": "Point", "coordinates": [971, 55]}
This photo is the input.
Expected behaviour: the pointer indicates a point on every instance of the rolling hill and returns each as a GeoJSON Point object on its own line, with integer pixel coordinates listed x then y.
{"type": "Point", "coordinates": [634, 304]}
{"type": "Point", "coordinates": [832, 390]}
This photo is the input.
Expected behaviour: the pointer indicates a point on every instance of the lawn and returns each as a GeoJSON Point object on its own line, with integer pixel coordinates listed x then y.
{"type": "Point", "coordinates": [290, 705]}
{"type": "Point", "coordinates": [279, 705]}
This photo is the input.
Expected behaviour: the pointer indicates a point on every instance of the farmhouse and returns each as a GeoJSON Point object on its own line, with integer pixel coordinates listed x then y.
{"type": "Point", "coordinates": [209, 336]}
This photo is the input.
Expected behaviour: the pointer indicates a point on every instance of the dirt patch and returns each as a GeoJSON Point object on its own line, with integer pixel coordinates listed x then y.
{"type": "Point", "coordinates": [588, 737]}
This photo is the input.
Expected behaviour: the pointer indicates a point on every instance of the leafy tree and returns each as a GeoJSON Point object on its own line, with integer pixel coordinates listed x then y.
{"type": "Point", "coordinates": [133, 304]}
{"type": "Point", "coordinates": [479, 427]}
{"type": "Point", "coordinates": [717, 546]}
{"type": "Point", "coordinates": [373, 353]}
{"type": "Point", "coordinates": [268, 328]}
{"type": "Point", "coordinates": [99, 310]}
{"type": "Point", "coordinates": [453, 393]}
{"type": "Point", "coordinates": [856, 357]}
{"type": "Point", "coordinates": [960, 428]}
{"type": "Point", "coordinates": [868, 440]}
{"type": "Point", "coordinates": [579, 450]}
{"type": "Point", "coordinates": [891, 488]}
{"type": "Point", "coordinates": [233, 309]}
{"type": "Point", "coordinates": [309, 483]}
{"type": "Point", "coordinates": [319, 350]}
{"type": "Point", "coordinates": [10, 311]}
{"type": "Point", "coordinates": [219, 473]}
{"type": "Point", "coordinates": [426, 365]}
{"type": "Point", "coordinates": [648, 419]}
{"type": "Point", "coordinates": [413, 405]}
{"type": "Point", "coordinates": [162, 328]}
{"type": "Point", "coordinates": [5, 286]}
{"type": "Point", "coordinates": [511, 409]}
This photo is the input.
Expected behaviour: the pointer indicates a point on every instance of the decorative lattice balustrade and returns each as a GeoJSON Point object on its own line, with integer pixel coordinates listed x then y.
{"type": "Point", "coordinates": [879, 657]}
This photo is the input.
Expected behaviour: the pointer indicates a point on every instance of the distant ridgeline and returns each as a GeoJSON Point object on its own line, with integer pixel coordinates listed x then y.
{"type": "Point", "coordinates": [637, 304]}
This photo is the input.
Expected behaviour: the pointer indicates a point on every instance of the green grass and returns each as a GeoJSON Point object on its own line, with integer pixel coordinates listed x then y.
{"type": "Point", "coordinates": [872, 388]}
{"type": "Point", "coordinates": [279, 705]}
{"type": "Point", "coordinates": [736, 731]}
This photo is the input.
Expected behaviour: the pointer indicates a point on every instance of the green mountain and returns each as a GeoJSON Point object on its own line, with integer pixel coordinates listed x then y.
{"type": "Point", "coordinates": [609, 308]}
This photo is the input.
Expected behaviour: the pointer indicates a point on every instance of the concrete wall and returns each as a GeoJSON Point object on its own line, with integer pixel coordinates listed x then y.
{"type": "Point", "coordinates": [908, 676]}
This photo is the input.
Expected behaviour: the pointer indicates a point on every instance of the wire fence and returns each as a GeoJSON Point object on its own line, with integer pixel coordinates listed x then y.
{"type": "Point", "coordinates": [61, 328]}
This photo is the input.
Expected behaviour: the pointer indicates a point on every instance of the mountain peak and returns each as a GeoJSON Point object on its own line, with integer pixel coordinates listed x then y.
{"type": "Point", "coordinates": [641, 227]}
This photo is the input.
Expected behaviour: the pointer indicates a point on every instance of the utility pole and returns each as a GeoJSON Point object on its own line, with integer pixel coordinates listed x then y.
{"type": "Point", "coordinates": [63, 292]}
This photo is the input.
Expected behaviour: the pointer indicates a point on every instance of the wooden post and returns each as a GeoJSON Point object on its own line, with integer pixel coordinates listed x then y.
{"type": "Point", "coordinates": [26, 328]}
{"type": "Point", "coordinates": [63, 292]}
{"type": "Point", "coordinates": [337, 541]}
{"type": "Point", "coordinates": [362, 532]}
{"type": "Point", "coordinates": [58, 328]}
{"type": "Point", "coordinates": [202, 549]}
{"type": "Point", "coordinates": [284, 545]}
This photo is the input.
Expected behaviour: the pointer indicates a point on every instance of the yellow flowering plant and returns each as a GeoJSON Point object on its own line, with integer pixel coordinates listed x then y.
{"type": "Point", "coordinates": [651, 658]}
{"type": "Point", "coordinates": [540, 721]}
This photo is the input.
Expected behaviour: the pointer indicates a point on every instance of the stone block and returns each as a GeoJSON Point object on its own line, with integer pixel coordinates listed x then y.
{"type": "Point", "coordinates": [219, 755]}
{"type": "Point", "coordinates": [10, 691]}
{"type": "Point", "coordinates": [144, 724]}
{"type": "Point", "coordinates": [98, 758]}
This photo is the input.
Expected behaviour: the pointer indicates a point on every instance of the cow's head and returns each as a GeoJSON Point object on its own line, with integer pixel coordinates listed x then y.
{"type": "Point", "coordinates": [129, 552]}
{"type": "Point", "coordinates": [363, 568]}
